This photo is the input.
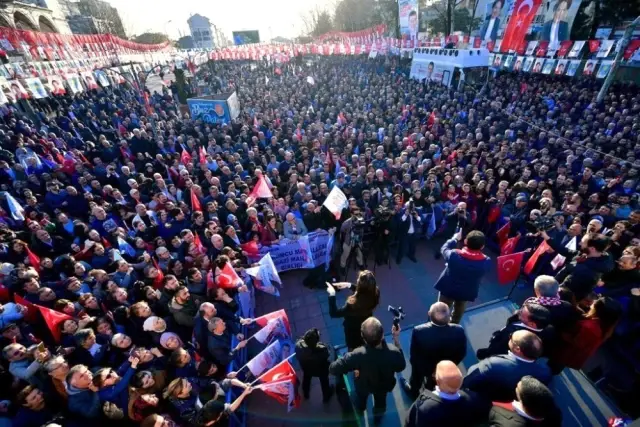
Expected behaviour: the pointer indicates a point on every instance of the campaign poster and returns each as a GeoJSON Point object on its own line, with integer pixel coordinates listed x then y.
{"type": "Point", "coordinates": [537, 66]}
{"type": "Point", "coordinates": [576, 49]}
{"type": "Point", "coordinates": [89, 80]}
{"type": "Point", "coordinates": [56, 86]}
{"type": "Point", "coordinates": [558, 20]}
{"type": "Point", "coordinates": [209, 110]}
{"type": "Point", "coordinates": [508, 62]}
{"type": "Point", "coordinates": [102, 78]}
{"type": "Point", "coordinates": [4, 91]}
{"type": "Point", "coordinates": [605, 48]}
{"type": "Point", "coordinates": [528, 64]}
{"type": "Point", "coordinates": [36, 88]}
{"type": "Point", "coordinates": [604, 69]}
{"type": "Point", "coordinates": [408, 19]}
{"type": "Point", "coordinates": [561, 68]}
{"type": "Point", "coordinates": [16, 90]}
{"type": "Point", "coordinates": [431, 71]}
{"type": "Point", "coordinates": [590, 67]}
{"type": "Point", "coordinates": [491, 23]}
{"type": "Point", "coordinates": [531, 47]}
{"type": "Point", "coordinates": [518, 64]}
{"type": "Point", "coordinates": [549, 65]}
{"type": "Point", "coordinates": [73, 80]}
{"type": "Point", "coordinates": [573, 68]}
{"type": "Point", "coordinates": [497, 61]}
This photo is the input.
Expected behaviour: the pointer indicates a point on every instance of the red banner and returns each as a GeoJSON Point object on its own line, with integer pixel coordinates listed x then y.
{"type": "Point", "coordinates": [565, 47]}
{"type": "Point", "coordinates": [631, 48]}
{"type": "Point", "coordinates": [542, 48]}
{"type": "Point", "coordinates": [594, 45]}
{"type": "Point", "coordinates": [523, 13]}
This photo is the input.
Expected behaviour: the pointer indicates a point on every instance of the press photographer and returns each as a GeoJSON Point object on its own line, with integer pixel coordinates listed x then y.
{"type": "Point", "coordinates": [408, 231]}
{"type": "Point", "coordinates": [352, 233]}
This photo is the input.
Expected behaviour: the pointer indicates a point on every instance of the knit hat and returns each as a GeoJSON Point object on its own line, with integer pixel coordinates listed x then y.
{"type": "Point", "coordinates": [150, 323]}
{"type": "Point", "coordinates": [164, 338]}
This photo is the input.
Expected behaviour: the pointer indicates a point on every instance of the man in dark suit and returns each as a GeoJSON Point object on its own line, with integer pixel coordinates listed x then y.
{"type": "Point", "coordinates": [496, 377]}
{"type": "Point", "coordinates": [557, 30]}
{"type": "Point", "coordinates": [431, 343]}
{"type": "Point", "coordinates": [447, 405]}
{"type": "Point", "coordinates": [408, 232]}
{"type": "Point", "coordinates": [534, 407]}
{"type": "Point", "coordinates": [489, 30]}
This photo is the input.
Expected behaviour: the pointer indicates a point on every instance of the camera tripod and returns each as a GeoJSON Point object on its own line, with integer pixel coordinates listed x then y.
{"type": "Point", "coordinates": [365, 247]}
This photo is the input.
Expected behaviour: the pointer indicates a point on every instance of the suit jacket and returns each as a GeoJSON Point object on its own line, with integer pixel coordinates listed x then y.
{"type": "Point", "coordinates": [301, 229]}
{"type": "Point", "coordinates": [463, 272]}
{"type": "Point", "coordinates": [430, 344]}
{"type": "Point", "coordinates": [433, 411]}
{"type": "Point", "coordinates": [563, 31]}
{"type": "Point", "coordinates": [499, 416]}
{"type": "Point", "coordinates": [496, 377]}
{"type": "Point", "coordinates": [494, 30]}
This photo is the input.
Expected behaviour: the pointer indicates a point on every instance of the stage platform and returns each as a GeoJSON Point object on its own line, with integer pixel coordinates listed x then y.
{"type": "Point", "coordinates": [581, 402]}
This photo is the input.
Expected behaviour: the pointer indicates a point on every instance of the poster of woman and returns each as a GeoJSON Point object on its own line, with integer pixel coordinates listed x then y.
{"type": "Point", "coordinates": [89, 80]}
{"type": "Point", "coordinates": [56, 86]}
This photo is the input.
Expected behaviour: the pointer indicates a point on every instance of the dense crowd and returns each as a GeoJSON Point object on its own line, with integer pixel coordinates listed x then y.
{"type": "Point", "coordinates": [123, 219]}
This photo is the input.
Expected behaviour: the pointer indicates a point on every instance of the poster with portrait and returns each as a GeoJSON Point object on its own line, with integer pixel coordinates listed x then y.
{"type": "Point", "coordinates": [604, 69]}
{"type": "Point", "coordinates": [102, 78]}
{"type": "Point", "coordinates": [89, 80]}
{"type": "Point", "coordinates": [558, 20]}
{"type": "Point", "coordinates": [494, 18]}
{"type": "Point", "coordinates": [528, 64]}
{"type": "Point", "coordinates": [549, 66]}
{"type": "Point", "coordinates": [56, 85]}
{"type": "Point", "coordinates": [408, 19]}
{"type": "Point", "coordinates": [497, 61]}
{"type": "Point", "coordinates": [576, 49]}
{"type": "Point", "coordinates": [36, 88]}
{"type": "Point", "coordinates": [537, 65]}
{"type": "Point", "coordinates": [431, 71]}
{"type": "Point", "coordinates": [590, 67]}
{"type": "Point", "coordinates": [561, 67]}
{"type": "Point", "coordinates": [73, 80]}
{"type": "Point", "coordinates": [572, 68]}
{"type": "Point", "coordinates": [508, 62]}
{"type": "Point", "coordinates": [15, 90]}
{"type": "Point", "coordinates": [492, 56]}
{"type": "Point", "coordinates": [605, 48]}
{"type": "Point", "coordinates": [517, 66]}
{"type": "Point", "coordinates": [531, 48]}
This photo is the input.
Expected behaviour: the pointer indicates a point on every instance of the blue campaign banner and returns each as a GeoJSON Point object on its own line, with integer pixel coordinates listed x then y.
{"type": "Point", "coordinates": [209, 110]}
{"type": "Point", "coordinates": [294, 254]}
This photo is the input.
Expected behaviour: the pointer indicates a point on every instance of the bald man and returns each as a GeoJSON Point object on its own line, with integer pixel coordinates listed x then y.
{"type": "Point", "coordinates": [432, 342]}
{"type": "Point", "coordinates": [448, 405]}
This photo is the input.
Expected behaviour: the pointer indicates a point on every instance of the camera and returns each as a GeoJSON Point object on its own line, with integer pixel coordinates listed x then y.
{"type": "Point", "coordinates": [398, 315]}
{"type": "Point", "coordinates": [542, 223]}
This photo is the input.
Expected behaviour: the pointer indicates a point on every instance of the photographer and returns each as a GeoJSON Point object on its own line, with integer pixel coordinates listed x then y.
{"type": "Point", "coordinates": [374, 366]}
{"type": "Point", "coordinates": [382, 230]}
{"type": "Point", "coordinates": [408, 231]}
{"type": "Point", "coordinates": [457, 220]}
{"type": "Point", "coordinates": [352, 233]}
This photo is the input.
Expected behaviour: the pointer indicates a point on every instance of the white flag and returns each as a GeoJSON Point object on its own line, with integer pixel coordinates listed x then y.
{"type": "Point", "coordinates": [336, 201]}
{"type": "Point", "coordinates": [268, 270]}
{"type": "Point", "coordinates": [266, 359]}
{"type": "Point", "coordinates": [273, 328]}
{"type": "Point", "coordinates": [558, 260]}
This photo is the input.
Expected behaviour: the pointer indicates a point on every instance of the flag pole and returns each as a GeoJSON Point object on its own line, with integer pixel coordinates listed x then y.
{"type": "Point", "coordinates": [260, 377]}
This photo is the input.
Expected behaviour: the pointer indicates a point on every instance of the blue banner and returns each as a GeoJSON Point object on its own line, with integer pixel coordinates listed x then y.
{"type": "Point", "coordinates": [292, 255]}
{"type": "Point", "coordinates": [209, 110]}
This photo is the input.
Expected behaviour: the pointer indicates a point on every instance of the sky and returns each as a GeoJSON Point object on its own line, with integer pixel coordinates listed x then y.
{"type": "Point", "coordinates": [271, 18]}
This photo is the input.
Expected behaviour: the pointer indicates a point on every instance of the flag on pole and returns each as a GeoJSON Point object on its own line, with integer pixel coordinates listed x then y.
{"type": "Point", "coordinates": [261, 190]}
{"type": "Point", "coordinates": [509, 267]}
{"type": "Point", "coordinates": [157, 282]}
{"type": "Point", "coordinates": [273, 328]}
{"type": "Point", "coordinates": [228, 278]}
{"type": "Point", "coordinates": [53, 319]}
{"type": "Point", "coordinates": [559, 260]}
{"type": "Point", "coordinates": [266, 359]}
{"type": "Point", "coordinates": [283, 371]}
{"type": "Point", "coordinates": [283, 391]}
{"type": "Point", "coordinates": [503, 233]}
{"type": "Point", "coordinates": [510, 245]}
{"type": "Point", "coordinates": [185, 157]}
{"type": "Point", "coordinates": [268, 269]}
{"type": "Point", "coordinates": [198, 244]}
{"type": "Point", "coordinates": [336, 201]}
{"type": "Point", "coordinates": [202, 155]}
{"type": "Point", "coordinates": [34, 260]}
{"type": "Point", "coordinates": [531, 262]}
{"type": "Point", "coordinates": [264, 319]}
{"type": "Point", "coordinates": [260, 284]}
{"type": "Point", "coordinates": [32, 312]}
{"type": "Point", "coordinates": [195, 202]}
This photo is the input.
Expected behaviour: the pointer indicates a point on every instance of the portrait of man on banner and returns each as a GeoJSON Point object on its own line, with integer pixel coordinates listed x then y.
{"type": "Point", "coordinates": [572, 68]}
{"type": "Point", "coordinates": [408, 19]}
{"type": "Point", "coordinates": [558, 21]}
{"type": "Point", "coordinates": [56, 86]}
{"type": "Point", "coordinates": [589, 67]}
{"type": "Point", "coordinates": [491, 25]}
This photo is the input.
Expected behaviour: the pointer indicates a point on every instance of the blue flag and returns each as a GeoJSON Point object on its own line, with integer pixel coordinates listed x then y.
{"type": "Point", "coordinates": [125, 247]}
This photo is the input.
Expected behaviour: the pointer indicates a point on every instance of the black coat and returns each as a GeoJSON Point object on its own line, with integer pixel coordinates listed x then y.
{"type": "Point", "coordinates": [502, 417]}
{"type": "Point", "coordinates": [431, 344]}
{"type": "Point", "coordinates": [313, 361]}
{"type": "Point", "coordinates": [433, 411]}
{"type": "Point", "coordinates": [353, 317]}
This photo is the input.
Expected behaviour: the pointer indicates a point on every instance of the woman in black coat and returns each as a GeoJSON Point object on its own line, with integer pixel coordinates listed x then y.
{"type": "Point", "coordinates": [358, 307]}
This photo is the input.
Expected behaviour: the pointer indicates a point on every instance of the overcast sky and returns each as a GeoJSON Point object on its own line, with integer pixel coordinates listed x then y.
{"type": "Point", "coordinates": [270, 17]}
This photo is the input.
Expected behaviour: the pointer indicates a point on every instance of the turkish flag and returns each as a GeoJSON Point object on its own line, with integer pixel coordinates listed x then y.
{"type": "Point", "coordinates": [531, 263]}
{"type": "Point", "coordinates": [594, 46]}
{"type": "Point", "coordinates": [565, 47]}
{"type": "Point", "coordinates": [53, 320]}
{"type": "Point", "coordinates": [509, 267]}
{"type": "Point", "coordinates": [631, 48]}
{"type": "Point", "coordinates": [228, 278]}
{"type": "Point", "coordinates": [185, 157]}
{"type": "Point", "coordinates": [281, 372]}
{"type": "Point", "coordinates": [542, 48]}
{"type": "Point", "coordinates": [503, 233]}
{"type": "Point", "coordinates": [509, 246]}
{"type": "Point", "coordinates": [251, 248]}
{"type": "Point", "coordinates": [198, 243]}
{"type": "Point", "coordinates": [32, 312]}
{"type": "Point", "coordinates": [34, 260]}
{"type": "Point", "coordinates": [203, 156]}
{"type": "Point", "coordinates": [523, 13]}
{"type": "Point", "coordinates": [522, 48]}
{"type": "Point", "coordinates": [195, 203]}
{"type": "Point", "coordinates": [261, 190]}
{"type": "Point", "coordinates": [263, 320]}
{"type": "Point", "coordinates": [157, 282]}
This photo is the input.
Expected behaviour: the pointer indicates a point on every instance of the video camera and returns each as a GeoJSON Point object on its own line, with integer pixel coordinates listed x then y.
{"type": "Point", "coordinates": [398, 314]}
{"type": "Point", "coordinates": [542, 223]}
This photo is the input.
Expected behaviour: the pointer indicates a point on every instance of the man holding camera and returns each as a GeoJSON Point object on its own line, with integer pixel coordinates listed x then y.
{"type": "Point", "coordinates": [374, 366]}
{"type": "Point", "coordinates": [352, 232]}
{"type": "Point", "coordinates": [460, 281]}
{"type": "Point", "coordinates": [408, 231]}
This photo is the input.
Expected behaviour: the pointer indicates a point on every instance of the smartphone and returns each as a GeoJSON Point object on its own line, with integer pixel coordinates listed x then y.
{"type": "Point", "coordinates": [41, 347]}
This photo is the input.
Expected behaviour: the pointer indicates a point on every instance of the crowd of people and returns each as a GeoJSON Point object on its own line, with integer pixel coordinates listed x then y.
{"type": "Point", "coordinates": [123, 219]}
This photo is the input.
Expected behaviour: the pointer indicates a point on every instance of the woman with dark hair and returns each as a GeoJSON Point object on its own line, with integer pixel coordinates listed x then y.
{"type": "Point", "coordinates": [579, 342]}
{"type": "Point", "coordinates": [358, 307]}
{"type": "Point", "coordinates": [269, 235]}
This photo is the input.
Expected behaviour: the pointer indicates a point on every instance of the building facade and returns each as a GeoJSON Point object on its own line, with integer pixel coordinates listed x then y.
{"type": "Point", "coordinates": [201, 32]}
{"type": "Point", "coordinates": [34, 15]}
{"type": "Point", "coordinates": [93, 17]}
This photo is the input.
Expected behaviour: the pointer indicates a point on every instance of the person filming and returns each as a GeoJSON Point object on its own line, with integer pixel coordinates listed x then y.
{"type": "Point", "coordinates": [374, 366]}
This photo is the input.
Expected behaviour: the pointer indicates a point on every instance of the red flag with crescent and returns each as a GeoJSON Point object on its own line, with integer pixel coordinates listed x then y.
{"type": "Point", "coordinates": [509, 267]}
{"type": "Point", "coordinates": [509, 246]}
{"type": "Point", "coordinates": [523, 13]}
{"type": "Point", "coordinates": [281, 372]}
{"type": "Point", "coordinates": [503, 233]}
{"type": "Point", "coordinates": [531, 262]}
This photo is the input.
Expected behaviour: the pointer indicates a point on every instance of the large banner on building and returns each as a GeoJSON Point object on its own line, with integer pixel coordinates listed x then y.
{"type": "Point", "coordinates": [408, 19]}
{"type": "Point", "coordinates": [557, 21]}
{"type": "Point", "coordinates": [431, 71]}
{"type": "Point", "coordinates": [296, 254]}
{"type": "Point", "coordinates": [522, 17]}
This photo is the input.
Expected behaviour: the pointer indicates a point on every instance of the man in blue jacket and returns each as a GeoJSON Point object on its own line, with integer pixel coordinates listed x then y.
{"type": "Point", "coordinates": [464, 269]}
{"type": "Point", "coordinates": [113, 386]}
{"type": "Point", "coordinates": [84, 401]}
